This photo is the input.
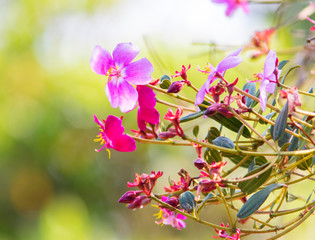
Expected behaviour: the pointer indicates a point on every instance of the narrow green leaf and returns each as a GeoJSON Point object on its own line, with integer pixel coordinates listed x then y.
{"type": "Point", "coordinates": [260, 160]}
{"type": "Point", "coordinates": [282, 63]}
{"type": "Point", "coordinates": [251, 86]}
{"type": "Point", "coordinates": [255, 201]}
{"type": "Point", "coordinates": [223, 142]}
{"type": "Point", "coordinates": [191, 117]}
{"type": "Point", "coordinates": [231, 123]}
{"type": "Point", "coordinates": [254, 103]}
{"type": "Point", "coordinates": [196, 130]}
{"type": "Point", "coordinates": [281, 123]}
{"type": "Point", "coordinates": [252, 185]}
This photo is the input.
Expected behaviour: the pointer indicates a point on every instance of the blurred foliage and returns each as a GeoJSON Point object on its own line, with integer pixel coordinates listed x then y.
{"type": "Point", "coordinates": [53, 184]}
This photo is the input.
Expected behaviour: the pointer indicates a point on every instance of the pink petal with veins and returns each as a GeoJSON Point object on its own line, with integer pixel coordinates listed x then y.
{"type": "Point", "coordinates": [124, 53]}
{"type": "Point", "coordinates": [138, 72]}
{"type": "Point", "coordinates": [101, 60]}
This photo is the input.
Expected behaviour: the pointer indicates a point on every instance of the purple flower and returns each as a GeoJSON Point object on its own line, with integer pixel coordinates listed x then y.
{"type": "Point", "coordinates": [232, 5]}
{"type": "Point", "coordinates": [111, 135]}
{"type": "Point", "coordinates": [121, 74]}
{"type": "Point", "coordinates": [269, 78]}
{"type": "Point", "coordinates": [146, 112]}
{"type": "Point", "coordinates": [228, 62]}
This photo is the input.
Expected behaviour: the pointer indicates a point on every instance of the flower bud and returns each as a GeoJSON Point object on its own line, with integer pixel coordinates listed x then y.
{"type": "Point", "coordinates": [176, 87]}
{"type": "Point", "coordinates": [200, 163]}
{"type": "Point", "coordinates": [129, 196]}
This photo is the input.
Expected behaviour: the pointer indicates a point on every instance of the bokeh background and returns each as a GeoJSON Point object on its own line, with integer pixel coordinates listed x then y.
{"type": "Point", "coordinates": [53, 185]}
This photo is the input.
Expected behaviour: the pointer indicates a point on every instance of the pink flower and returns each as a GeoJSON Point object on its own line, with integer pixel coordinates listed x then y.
{"type": "Point", "coordinates": [121, 74]}
{"type": "Point", "coordinates": [228, 62]}
{"type": "Point", "coordinates": [312, 21]}
{"type": "Point", "coordinates": [111, 135]}
{"type": "Point", "coordinates": [145, 182]}
{"type": "Point", "coordinates": [146, 112]}
{"type": "Point", "coordinates": [269, 78]}
{"type": "Point", "coordinates": [224, 234]}
{"type": "Point", "coordinates": [293, 97]}
{"type": "Point", "coordinates": [232, 5]}
{"type": "Point", "coordinates": [169, 217]}
{"type": "Point", "coordinates": [175, 120]}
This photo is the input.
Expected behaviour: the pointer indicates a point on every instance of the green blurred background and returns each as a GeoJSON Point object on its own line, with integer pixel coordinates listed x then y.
{"type": "Point", "coordinates": [53, 185]}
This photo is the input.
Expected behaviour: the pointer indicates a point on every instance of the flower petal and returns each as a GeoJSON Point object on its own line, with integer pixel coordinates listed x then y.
{"type": "Point", "coordinates": [146, 97]}
{"type": "Point", "coordinates": [101, 60]}
{"type": "Point", "coordinates": [141, 123]}
{"type": "Point", "coordinates": [138, 72]}
{"type": "Point", "coordinates": [228, 62]}
{"type": "Point", "coordinates": [263, 95]}
{"type": "Point", "coordinates": [150, 115]}
{"type": "Point", "coordinates": [111, 91]}
{"type": "Point", "coordinates": [201, 94]}
{"type": "Point", "coordinates": [124, 143]}
{"type": "Point", "coordinates": [124, 53]}
{"type": "Point", "coordinates": [113, 127]}
{"type": "Point", "coordinates": [127, 95]}
{"type": "Point", "coordinates": [270, 63]}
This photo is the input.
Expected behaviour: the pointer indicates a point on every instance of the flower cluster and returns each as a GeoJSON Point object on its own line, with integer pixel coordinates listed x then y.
{"type": "Point", "coordinates": [286, 144]}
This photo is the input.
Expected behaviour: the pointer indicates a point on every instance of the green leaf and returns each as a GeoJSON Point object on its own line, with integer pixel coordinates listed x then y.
{"type": "Point", "coordinates": [251, 86]}
{"type": "Point", "coordinates": [212, 155]}
{"type": "Point", "coordinates": [165, 77]}
{"type": "Point", "coordinates": [255, 201]}
{"type": "Point", "coordinates": [254, 103]}
{"type": "Point", "coordinates": [252, 185]}
{"type": "Point", "coordinates": [213, 133]}
{"type": "Point", "coordinates": [268, 116]}
{"type": "Point", "coordinates": [196, 130]}
{"type": "Point", "coordinates": [281, 123]}
{"type": "Point", "coordinates": [231, 123]}
{"type": "Point", "coordinates": [187, 201]}
{"type": "Point", "coordinates": [260, 160]}
{"type": "Point", "coordinates": [282, 63]}
{"type": "Point", "coordinates": [191, 117]}
{"type": "Point", "coordinates": [290, 197]}
{"type": "Point", "coordinates": [223, 142]}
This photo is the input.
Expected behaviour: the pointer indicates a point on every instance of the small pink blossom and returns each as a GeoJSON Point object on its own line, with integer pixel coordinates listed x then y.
{"type": "Point", "coordinates": [111, 135]}
{"type": "Point", "coordinates": [174, 118]}
{"type": "Point", "coordinates": [224, 234]}
{"type": "Point", "coordinates": [269, 78]}
{"type": "Point", "coordinates": [228, 62]}
{"type": "Point", "coordinates": [169, 217]}
{"type": "Point", "coordinates": [121, 72]}
{"type": "Point", "coordinates": [293, 97]}
{"type": "Point", "coordinates": [232, 5]}
{"type": "Point", "coordinates": [145, 182]}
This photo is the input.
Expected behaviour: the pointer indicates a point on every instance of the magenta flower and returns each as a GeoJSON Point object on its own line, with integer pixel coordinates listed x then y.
{"type": "Point", "coordinates": [121, 74]}
{"type": "Point", "coordinates": [146, 112]}
{"type": "Point", "coordinates": [232, 5]}
{"type": "Point", "coordinates": [111, 135]}
{"type": "Point", "coordinates": [269, 78]}
{"type": "Point", "coordinates": [228, 62]}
